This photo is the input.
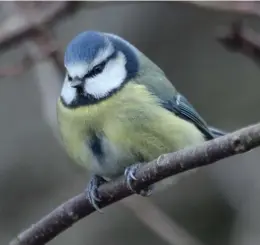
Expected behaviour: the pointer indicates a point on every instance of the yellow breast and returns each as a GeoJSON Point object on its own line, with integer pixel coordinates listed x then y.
{"type": "Point", "coordinates": [133, 125]}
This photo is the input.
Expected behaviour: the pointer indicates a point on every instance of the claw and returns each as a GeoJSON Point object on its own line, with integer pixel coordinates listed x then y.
{"type": "Point", "coordinates": [92, 191]}
{"type": "Point", "coordinates": [130, 175]}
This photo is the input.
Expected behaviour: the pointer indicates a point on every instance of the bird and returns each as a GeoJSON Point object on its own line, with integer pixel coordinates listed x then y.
{"type": "Point", "coordinates": [118, 110]}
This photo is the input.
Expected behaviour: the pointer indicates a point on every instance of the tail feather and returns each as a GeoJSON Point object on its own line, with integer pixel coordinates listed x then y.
{"type": "Point", "coordinates": [217, 132]}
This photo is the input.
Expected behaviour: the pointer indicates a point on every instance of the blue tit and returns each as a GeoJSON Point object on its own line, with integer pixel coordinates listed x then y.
{"type": "Point", "coordinates": [117, 108]}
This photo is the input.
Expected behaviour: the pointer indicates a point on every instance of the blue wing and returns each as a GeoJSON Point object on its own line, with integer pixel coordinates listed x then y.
{"type": "Point", "coordinates": [158, 84]}
{"type": "Point", "coordinates": [180, 106]}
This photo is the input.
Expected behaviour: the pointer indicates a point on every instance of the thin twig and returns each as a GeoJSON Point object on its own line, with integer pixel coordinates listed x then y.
{"type": "Point", "coordinates": [239, 38]}
{"type": "Point", "coordinates": [48, 44]}
{"type": "Point", "coordinates": [15, 29]}
{"type": "Point", "coordinates": [32, 21]}
{"type": "Point", "coordinates": [29, 61]}
{"type": "Point", "coordinates": [240, 7]}
{"type": "Point", "coordinates": [168, 164]}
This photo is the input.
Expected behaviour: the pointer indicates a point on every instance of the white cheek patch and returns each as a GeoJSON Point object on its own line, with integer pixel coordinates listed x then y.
{"type": "Point", "coordinates": [68, 94]}
{"type": "Point", "coordinates": [111, 78]}
{"type": "Point", "coordinates": [99, 86]}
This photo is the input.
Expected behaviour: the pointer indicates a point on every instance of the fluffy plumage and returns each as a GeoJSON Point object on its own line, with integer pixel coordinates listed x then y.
{"type": "Point", "coordinates": [133, 127]}
{"type": "Point", "coordinates": [127, 112]}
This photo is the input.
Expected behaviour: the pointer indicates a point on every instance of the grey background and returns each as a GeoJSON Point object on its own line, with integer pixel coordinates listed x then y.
{"type": "Point", "coordinates": [217, 205]}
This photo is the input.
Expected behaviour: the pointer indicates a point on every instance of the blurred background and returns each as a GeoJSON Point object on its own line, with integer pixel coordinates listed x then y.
{"type": "Point", "coordinates": [217, 205]}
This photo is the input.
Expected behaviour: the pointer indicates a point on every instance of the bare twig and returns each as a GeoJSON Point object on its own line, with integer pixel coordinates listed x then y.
{"type": "Point", "coordinates": [169, 164]}
{"type": "Point", "coordinates": [32, 21]}
{"type": "Point", "coordinates": [48, 45]}
{"type": "Point", "coordinates": [29, 60]}
{"type": "Point", "coordinates": [154, 218]}
{"type": "Point", "coordinates": [16, 28]}
{"type": "Point", "coordinates": [240, 38]}
{"type": "Point", "coordinates": [241, 7]}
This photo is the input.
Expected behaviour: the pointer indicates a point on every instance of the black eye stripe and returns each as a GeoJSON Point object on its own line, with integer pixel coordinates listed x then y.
{"type": "Point", "coordinates": [100, 67]}
{"type": "Point", "coordinates": [95, 70]}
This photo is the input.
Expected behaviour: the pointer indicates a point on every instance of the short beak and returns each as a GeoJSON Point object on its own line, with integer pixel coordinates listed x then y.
{"type": "Point", "coordinates": [77, 83]}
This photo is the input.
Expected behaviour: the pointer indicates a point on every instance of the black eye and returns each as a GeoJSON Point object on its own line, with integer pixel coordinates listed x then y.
{"type": "Point", "coordinates": [96, 70]}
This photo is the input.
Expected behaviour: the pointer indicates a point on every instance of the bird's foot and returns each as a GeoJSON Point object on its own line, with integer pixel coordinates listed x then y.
{"type": "Point", "coordinates": [130, 177]}
{"type": "Point", "coordinates": [92, 191]}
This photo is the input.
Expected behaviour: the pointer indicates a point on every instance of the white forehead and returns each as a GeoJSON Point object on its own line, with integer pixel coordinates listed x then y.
{"type": "Point", "coordinates": [81, 68]}
{"type": "Point", "coordinates": [99, 86]}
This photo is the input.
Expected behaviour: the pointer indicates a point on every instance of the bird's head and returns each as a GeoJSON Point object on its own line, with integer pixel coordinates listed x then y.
{"type": "Point", "coordinates": [98, 65]}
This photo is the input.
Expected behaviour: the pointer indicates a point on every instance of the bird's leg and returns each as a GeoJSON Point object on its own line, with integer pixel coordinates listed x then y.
{"type": "Point", "coordinates": [130, 177]}
{"type": "Point", "coordinates": [92, 190]}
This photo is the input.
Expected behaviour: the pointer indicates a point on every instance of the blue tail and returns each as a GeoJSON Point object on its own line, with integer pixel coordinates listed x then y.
{"type": "Point", "coordinates": [217, 132]}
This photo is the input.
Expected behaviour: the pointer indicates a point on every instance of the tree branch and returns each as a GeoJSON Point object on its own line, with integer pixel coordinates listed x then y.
{"type": "Point", "coordinates": [240, 7]}
{"type": "Point", "coordinates": [33, 21]}
{"type": "Point", "coordinates": [165, 166]}
{"type": "Point", "coordinates": [239, 38]}
{"type": "Point", "coordinates": [15, 29]}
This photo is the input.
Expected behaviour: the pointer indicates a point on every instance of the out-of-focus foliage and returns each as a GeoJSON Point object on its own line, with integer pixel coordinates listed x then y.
{"type": "Point", "coordinates": [217, 205]}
